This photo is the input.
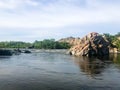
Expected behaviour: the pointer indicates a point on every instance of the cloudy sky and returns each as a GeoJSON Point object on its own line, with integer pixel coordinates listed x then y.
{"type": "Point", "coordinates": [29, 20]}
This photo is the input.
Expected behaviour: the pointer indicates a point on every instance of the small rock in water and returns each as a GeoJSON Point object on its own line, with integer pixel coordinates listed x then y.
{"type": "Point", "coordinates": [27, 51]}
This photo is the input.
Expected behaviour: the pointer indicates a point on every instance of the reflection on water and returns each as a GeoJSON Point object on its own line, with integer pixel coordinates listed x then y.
{"type": "Point", "coordinates": [90, 66]}
{"type": "Point", "coordinates": [95, 66]}
{"type": "Point", "coordinates": [54, 70]}
{"type": "Point", "coordinates": [115, 58]}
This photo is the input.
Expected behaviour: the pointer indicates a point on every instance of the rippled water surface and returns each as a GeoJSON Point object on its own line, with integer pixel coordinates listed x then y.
{"type": "Point", "coordinates": [55, 70]}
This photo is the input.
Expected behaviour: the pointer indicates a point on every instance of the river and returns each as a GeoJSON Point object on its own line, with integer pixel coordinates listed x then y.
{"type": "Point", "coordinates": [55, 70]}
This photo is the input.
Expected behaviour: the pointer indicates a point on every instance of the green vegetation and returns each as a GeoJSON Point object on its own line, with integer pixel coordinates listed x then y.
{"type": "Point", "coordinates": [50, 44]}
{"type": "Point", "coordinates": [45, 44]}
{"type": "Point", "coordinates": [14, 44]}
{"type": "Point", "coordinates": [114, 40]}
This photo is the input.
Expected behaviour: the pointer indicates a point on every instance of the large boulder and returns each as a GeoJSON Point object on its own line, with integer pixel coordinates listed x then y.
{"type": "Point", "coordinates": [92, 44]}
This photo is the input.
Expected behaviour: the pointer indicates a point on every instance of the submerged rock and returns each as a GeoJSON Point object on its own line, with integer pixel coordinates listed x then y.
{"type": "Point", "coordinates": [27, 51]}
{"type": "Point", "coordinates": [92, 44]}
{"type": "Point", "coordinates": [17, 51]}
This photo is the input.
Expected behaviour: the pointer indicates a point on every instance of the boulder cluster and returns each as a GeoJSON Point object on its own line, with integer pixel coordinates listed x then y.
{"type": "Point", "coordinates": [92, 44]}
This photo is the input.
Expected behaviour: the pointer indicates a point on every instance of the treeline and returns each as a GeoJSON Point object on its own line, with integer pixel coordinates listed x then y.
{"type": "Point", "coordinates": [50, 44]}
{"type": "Point", "coordinates": [45, 44]}
{"type": "Point", "coordinates": [114, 40]}
{"type": "Point", "coordinates": [14, 44]}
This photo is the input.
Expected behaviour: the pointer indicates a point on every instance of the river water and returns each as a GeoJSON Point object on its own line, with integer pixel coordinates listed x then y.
{"type": "Point", "coordinates": [55, 70]}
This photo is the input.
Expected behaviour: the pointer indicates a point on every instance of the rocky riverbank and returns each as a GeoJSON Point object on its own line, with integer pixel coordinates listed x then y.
{"type": "Point", "coordinates": [92, 44]}
{"type": "Point", "coordinates": [10, 52]}
{"type": "Point", "coordinates": [4, 52]}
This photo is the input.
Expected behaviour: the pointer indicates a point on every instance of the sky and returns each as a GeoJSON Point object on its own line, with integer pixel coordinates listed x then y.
{"type": "Point", "coordinates": [30, 20]}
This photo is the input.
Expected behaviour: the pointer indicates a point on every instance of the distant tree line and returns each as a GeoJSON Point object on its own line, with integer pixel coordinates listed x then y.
{"type": "Point", "coordinates": [52, 44]}
{"type": "Point", "coordinates": [14, 44]}
{"type": "Point", "coordinates": [45, 44]}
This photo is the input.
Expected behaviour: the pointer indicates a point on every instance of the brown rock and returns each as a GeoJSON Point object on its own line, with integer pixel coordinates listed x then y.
{"type": "Point", "coordinates": [92, 44]}
{"type": "Point", "coordinates": [71, 40]}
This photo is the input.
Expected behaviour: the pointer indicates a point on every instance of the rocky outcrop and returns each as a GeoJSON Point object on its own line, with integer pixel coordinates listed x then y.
{"type": "Point", "coordinates": [71, 40]}
{"type": "Point", "coordinates": [4, 52]}
{"type": "Point", "coordinates": [92, 44]}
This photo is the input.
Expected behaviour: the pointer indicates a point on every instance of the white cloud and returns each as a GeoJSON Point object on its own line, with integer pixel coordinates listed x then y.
{"type": "Point", "coordinates": [7, 4]}
{"type": "Point", "coordinates": [13, 4]}
{"type": "Point", "coordinates": [30, 2]}
{"type": "Point", "coordinates": [59, 14]}
{"type": "Point", "coordinates": [51, 17]}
